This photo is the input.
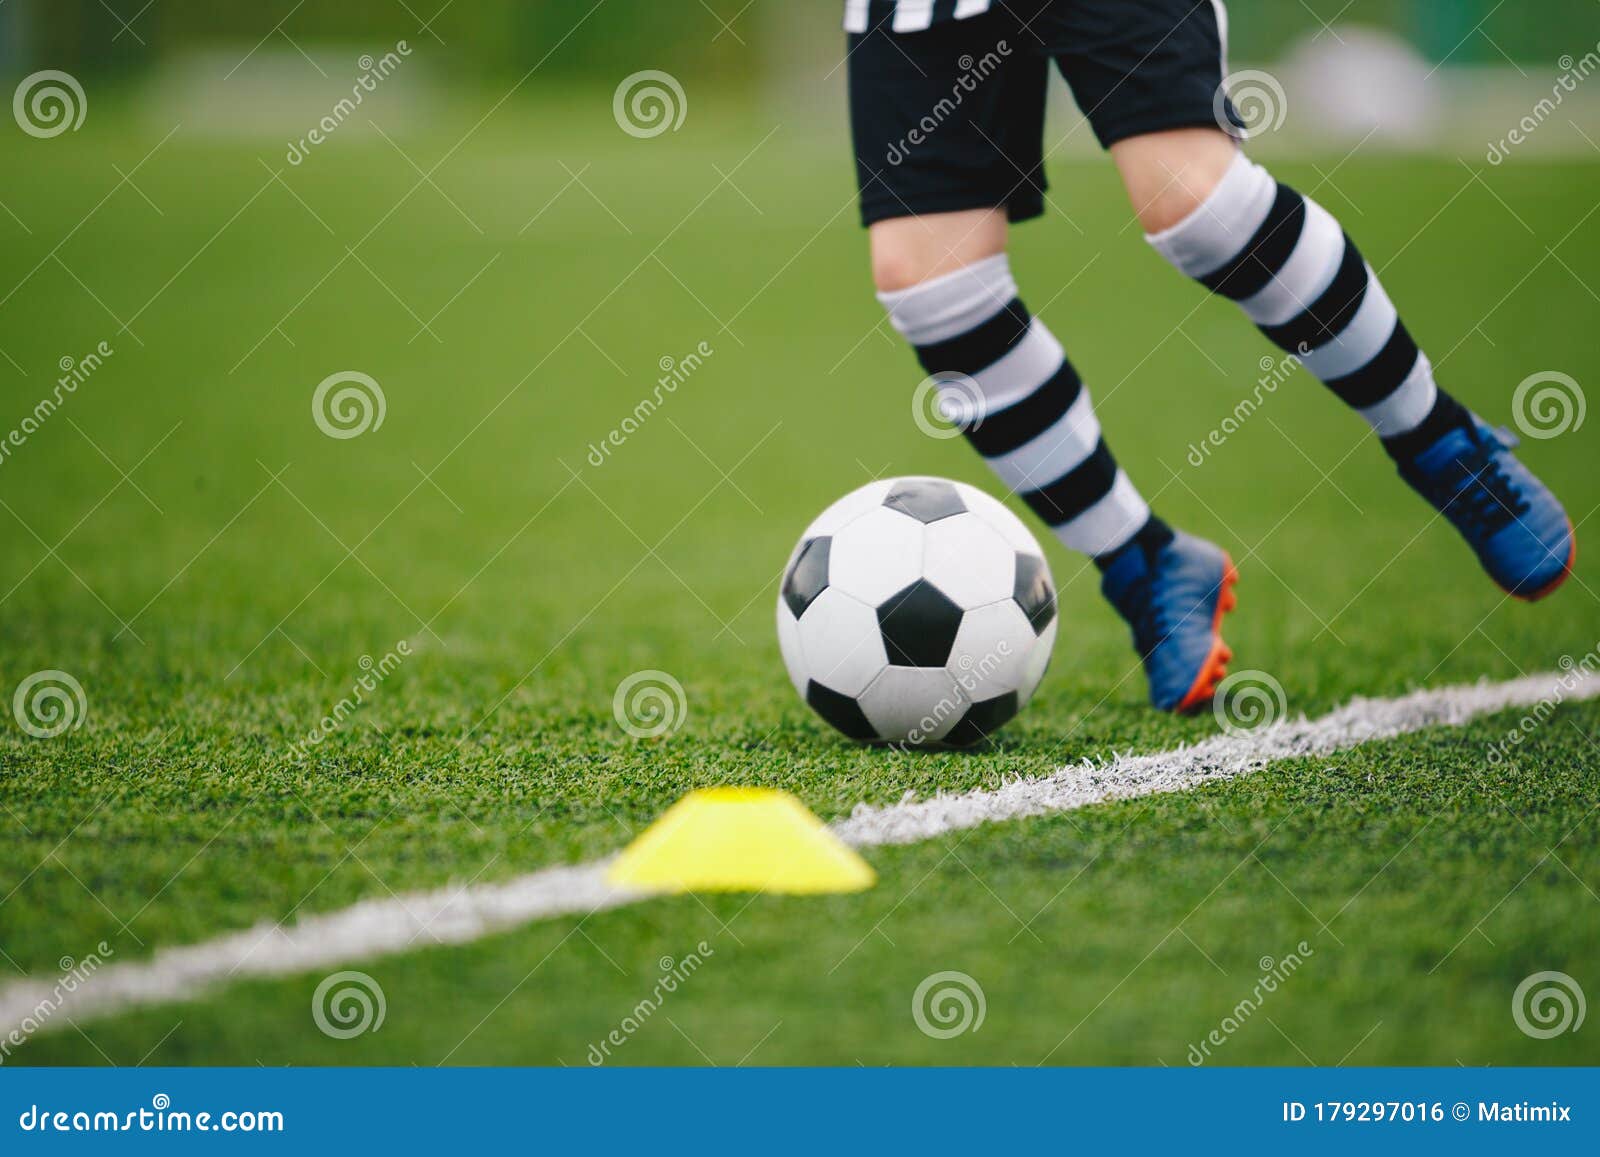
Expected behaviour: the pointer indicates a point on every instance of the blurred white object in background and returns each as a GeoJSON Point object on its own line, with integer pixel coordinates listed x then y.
{"type": "Point", "coordinates": [236, 92]}
{"type": "Point", "coordinates": [1353, 83]}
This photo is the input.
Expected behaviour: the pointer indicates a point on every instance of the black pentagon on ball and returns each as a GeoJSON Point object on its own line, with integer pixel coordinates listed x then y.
{"type": "Point", "coordinates": [1033, 592]}
{"type": "Point", "coordinates": [925, 499]}
{"type": "Point", "coordinates": [919, 625]}
{"type": "Point", "coordinates": [808, 577]}
{"type": "Point", "coordinates": [840, 710]}
{"type": "Point", "coordinates": [982, 720]}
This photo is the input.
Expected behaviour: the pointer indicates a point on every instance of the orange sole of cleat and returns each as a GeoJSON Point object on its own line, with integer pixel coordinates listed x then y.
{"type": "Point", "coordinates": [1566, 571]}
{"type": "Point", "coordinates": [1215, 668]}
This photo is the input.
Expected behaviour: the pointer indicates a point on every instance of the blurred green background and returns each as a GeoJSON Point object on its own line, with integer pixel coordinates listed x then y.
{"type": "Point", "coordinates": [489, 37]}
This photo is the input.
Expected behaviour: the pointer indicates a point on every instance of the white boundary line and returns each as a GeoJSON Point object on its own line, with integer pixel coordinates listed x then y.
{"type": "Point", "coordinates": [462, 913]}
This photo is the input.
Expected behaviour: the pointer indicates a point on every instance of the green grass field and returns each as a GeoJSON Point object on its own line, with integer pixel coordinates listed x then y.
{"type": "Point", "coordinates": [182, 539]}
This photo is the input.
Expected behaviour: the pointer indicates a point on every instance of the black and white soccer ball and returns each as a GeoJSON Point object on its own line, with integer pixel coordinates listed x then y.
{"type": "Point", "coordinates": [917, 610]}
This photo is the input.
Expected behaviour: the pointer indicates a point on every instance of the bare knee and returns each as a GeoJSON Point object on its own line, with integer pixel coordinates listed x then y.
{"type": "Point", "coordinates": [907, 251]}
{"type": "Point", "coordinates": [1170, 174]}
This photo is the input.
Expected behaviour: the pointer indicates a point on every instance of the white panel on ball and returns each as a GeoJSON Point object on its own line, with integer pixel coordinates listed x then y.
{"type": "Point", "coordinates": [877, 555]}
{"type": "Point", "coordinates": [969, 560]}
{"type": "Point", "coordinates": [915, 704]}
{"type": "Point", "coordinates": [841, 645]}
{"type": "Point", "coordinates": [993, 650]}
{"type": "Point", "coordinates": [994, 512]}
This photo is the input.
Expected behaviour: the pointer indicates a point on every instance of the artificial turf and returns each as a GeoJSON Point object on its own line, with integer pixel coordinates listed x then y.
{"type": "Point", "coordinates": [217, 602]}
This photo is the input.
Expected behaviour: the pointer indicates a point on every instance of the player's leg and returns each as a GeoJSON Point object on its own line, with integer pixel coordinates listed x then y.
{"type": "Point", "coordinates": [1222, 219]}
{"type": "Point", "coordinates": [946, 283]}
{"type": "Point", "coordinates": [907, 251]}
{"type": "Point", "coordinates": [937, 208]}
{"type": "Point", "coordinates": [1004, 377]}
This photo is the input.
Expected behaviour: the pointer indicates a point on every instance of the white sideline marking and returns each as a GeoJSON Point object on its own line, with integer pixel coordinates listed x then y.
{"type": "Point", "coordinates": [1221, 757]}
{"type": "Point", "coordinates": [458, 914]}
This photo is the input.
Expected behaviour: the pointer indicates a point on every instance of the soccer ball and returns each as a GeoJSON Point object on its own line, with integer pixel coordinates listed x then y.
{"type": "Point", "coordinates": [918, 611]}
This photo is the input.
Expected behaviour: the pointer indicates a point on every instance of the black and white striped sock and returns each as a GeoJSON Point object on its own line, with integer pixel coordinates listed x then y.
{"type": "Point", "coordinates": [1008, 384]}
{"type": "Point", "coordinates": [1297, 275]}
{"type": "Point", "coordinates": [1301, 279]}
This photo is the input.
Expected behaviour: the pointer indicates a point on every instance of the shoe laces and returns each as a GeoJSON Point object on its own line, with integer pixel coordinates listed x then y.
{"type": "Point", "coordinates": [1473, 489]}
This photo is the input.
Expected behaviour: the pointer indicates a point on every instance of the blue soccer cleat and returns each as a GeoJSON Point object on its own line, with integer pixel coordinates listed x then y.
{"type": "Point", "coordinates": [1517, 528]}
{"type": "Point", "coordinates": [1174, 600]}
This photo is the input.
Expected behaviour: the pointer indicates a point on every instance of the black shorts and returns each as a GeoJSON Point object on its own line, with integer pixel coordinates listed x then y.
{"type": "Point", "coordinates": [952, 117]}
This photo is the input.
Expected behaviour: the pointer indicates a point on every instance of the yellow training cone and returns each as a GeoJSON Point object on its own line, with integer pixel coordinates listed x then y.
{"type": "Point", "coordinates": [740, 839]}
